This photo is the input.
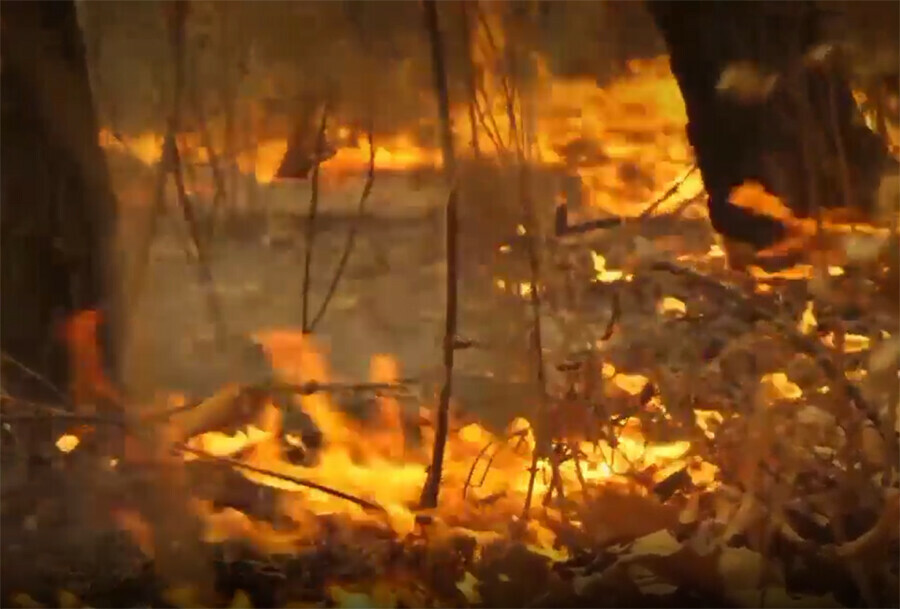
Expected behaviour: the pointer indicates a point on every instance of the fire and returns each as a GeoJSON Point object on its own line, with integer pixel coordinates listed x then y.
{"type": "Point", "coordinates": [485, 475]}
{"type": "Point", "coordinates": [67, 443]}
{"type": "Point", "coordinates": [605, 275]}
{"type": "Point", "coordinates": [625, 140]}
{"type": "Point", "coordinates": [670, 304]}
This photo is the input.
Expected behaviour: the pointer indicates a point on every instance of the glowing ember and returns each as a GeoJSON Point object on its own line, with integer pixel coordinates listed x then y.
{"type": "Point", "coordinates": [67, 443]}
{"type": "Point", "coordinates": [605, 275]}
{"type": "Point", "coordinates": [670, 304]}
{"type": "Point", "coordinates": [630, 383]}
{"type": "Point", "coordinates": [852, 343]}
{"type": "Point", "coordinates": [778, 386]}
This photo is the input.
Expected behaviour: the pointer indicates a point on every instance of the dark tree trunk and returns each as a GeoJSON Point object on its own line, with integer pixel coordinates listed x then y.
{"type": "Point", "coordinates": [56, 206]}
{"type": "Point", "coordinates": [805, 141]}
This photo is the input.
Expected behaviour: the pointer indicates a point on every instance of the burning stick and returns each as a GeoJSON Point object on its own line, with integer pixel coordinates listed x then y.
{"type": "Point", "coordinates": [562, 211]}
{"type": "Point", "coordinates": [669, 192]}
{"type": "Point", "coordinates": [432, 486]}
{"type": "Point", "coordinates": [367, 505]}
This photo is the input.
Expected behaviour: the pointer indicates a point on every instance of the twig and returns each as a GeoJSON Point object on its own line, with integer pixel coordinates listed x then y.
{"type": "Point", "coordinates": [212, 156]}
{"type": "Point", "coordinates": [491, 128]}
{"type": "Point", "coordinates": [363, 503]}
{"type": "Point", "coordinates": [204, 271]}
{"type": "Point", "coordinates": [431, 490]}
{"type": "Point", "coordinates": [482, 19]}
{"type": "Point", "coordinates": [311, 387]}
{"type": "Point", "coordinates": [562, 212]}
{"type": "Point", "coordinates": [576, 456]}
{"type": "Point", "coordinates": [520, 435]}
{"type": "Point", "coordinates": [531, 225]}
{"type": "Point", "coordinates": [475, 463]}
{"type": "Point", "coordinates": [35, 375]}
{"type": "Point", "coordinates": [41, 410]}
{"type": "Point", "coordinates": [311, 218]}
{"type": "Point", "coordinates": [351, 235]}
{"type": "Point", "coordinates": [203, 268]}
{"type": "Point", "coordinates": [157, 416]}
{"type": "Point", "coordinates": [613, 318]}
{"type": "Point", "coordinates": [470, 77]}
{"type": "Point", "coordinates": [806, 344]}
{"type": "Point", "coordinates": [668, 193]}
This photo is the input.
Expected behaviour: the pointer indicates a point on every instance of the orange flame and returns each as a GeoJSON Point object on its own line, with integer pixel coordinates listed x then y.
{"type": "Point", "coordinates": [374, 461]}
{"type": "Point", "coordinates": [88, 382]}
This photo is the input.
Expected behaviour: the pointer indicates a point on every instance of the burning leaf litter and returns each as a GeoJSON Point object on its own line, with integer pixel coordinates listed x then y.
{"type": "Point", "coordinates": [700, 428]}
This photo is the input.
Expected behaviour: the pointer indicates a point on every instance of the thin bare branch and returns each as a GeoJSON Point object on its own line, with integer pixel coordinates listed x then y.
{"type": "Point", "coordinates": [311, 218]}
{"type": "Point", "coordinates": [351, 235]}
{"type": "Point", "coordinates": [35, 375]}
{"type": "Point", "coordinates": [211, 154]}
{"type": "Point", "coordinates": [431, 490]}
{"type": "Point", "coordinates": [470, 76]}
{"type": "Point", "coordinates": [363, 503]}
{"type": "Point", "coordinates": [669, 192]}
{"type": "Point", "coordinates": [805, 344]}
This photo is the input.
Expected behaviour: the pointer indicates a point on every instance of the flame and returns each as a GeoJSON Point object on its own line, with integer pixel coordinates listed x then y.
{"type": "Point", "coordinates": [88, 382]}
{"type": "Point", "coordinates": [625, 141]}
{"type": "Point", "coordinates": [605, 275]}
{"type": "Point", "coordinates": [375, 461]}
{"type": "Point", "coordinates": [670, 304]}
{"type": "Point", "coordinates": [66, 443]}
{"type": "Point", "coordinates": [779, 386]}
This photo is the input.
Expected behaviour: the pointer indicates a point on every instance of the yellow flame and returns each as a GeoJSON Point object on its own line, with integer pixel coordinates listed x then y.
{"type": "Point", "coordinates": [373, 461]}
{"type": "Point", "coordinates": [808, 321]}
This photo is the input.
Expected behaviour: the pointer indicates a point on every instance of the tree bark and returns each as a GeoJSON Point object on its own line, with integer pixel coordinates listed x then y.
{"type": "Point", "coordinates": [56, 205]}
{"type": "Point", "coordinates": [805, 141]}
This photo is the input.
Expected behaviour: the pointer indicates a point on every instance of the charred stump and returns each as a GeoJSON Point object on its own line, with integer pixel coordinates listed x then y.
{"type": "Point", "coordinates": [800, 134]}
{"type": "Point", "coordinates": [56, 206]}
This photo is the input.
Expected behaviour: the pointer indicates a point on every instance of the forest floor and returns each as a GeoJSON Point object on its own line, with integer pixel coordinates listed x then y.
{"type": "Point", "coordinates": [801, 510]}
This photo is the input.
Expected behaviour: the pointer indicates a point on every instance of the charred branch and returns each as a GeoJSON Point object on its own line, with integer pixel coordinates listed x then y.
{"type": "Point", "coordinates": [432, 486]}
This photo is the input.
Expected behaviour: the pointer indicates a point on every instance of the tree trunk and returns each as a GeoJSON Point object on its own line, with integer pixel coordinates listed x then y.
{"type": "Point", "coordinates": [804, 141]}
{"type": "Point", "coordinates": [56, 206]}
